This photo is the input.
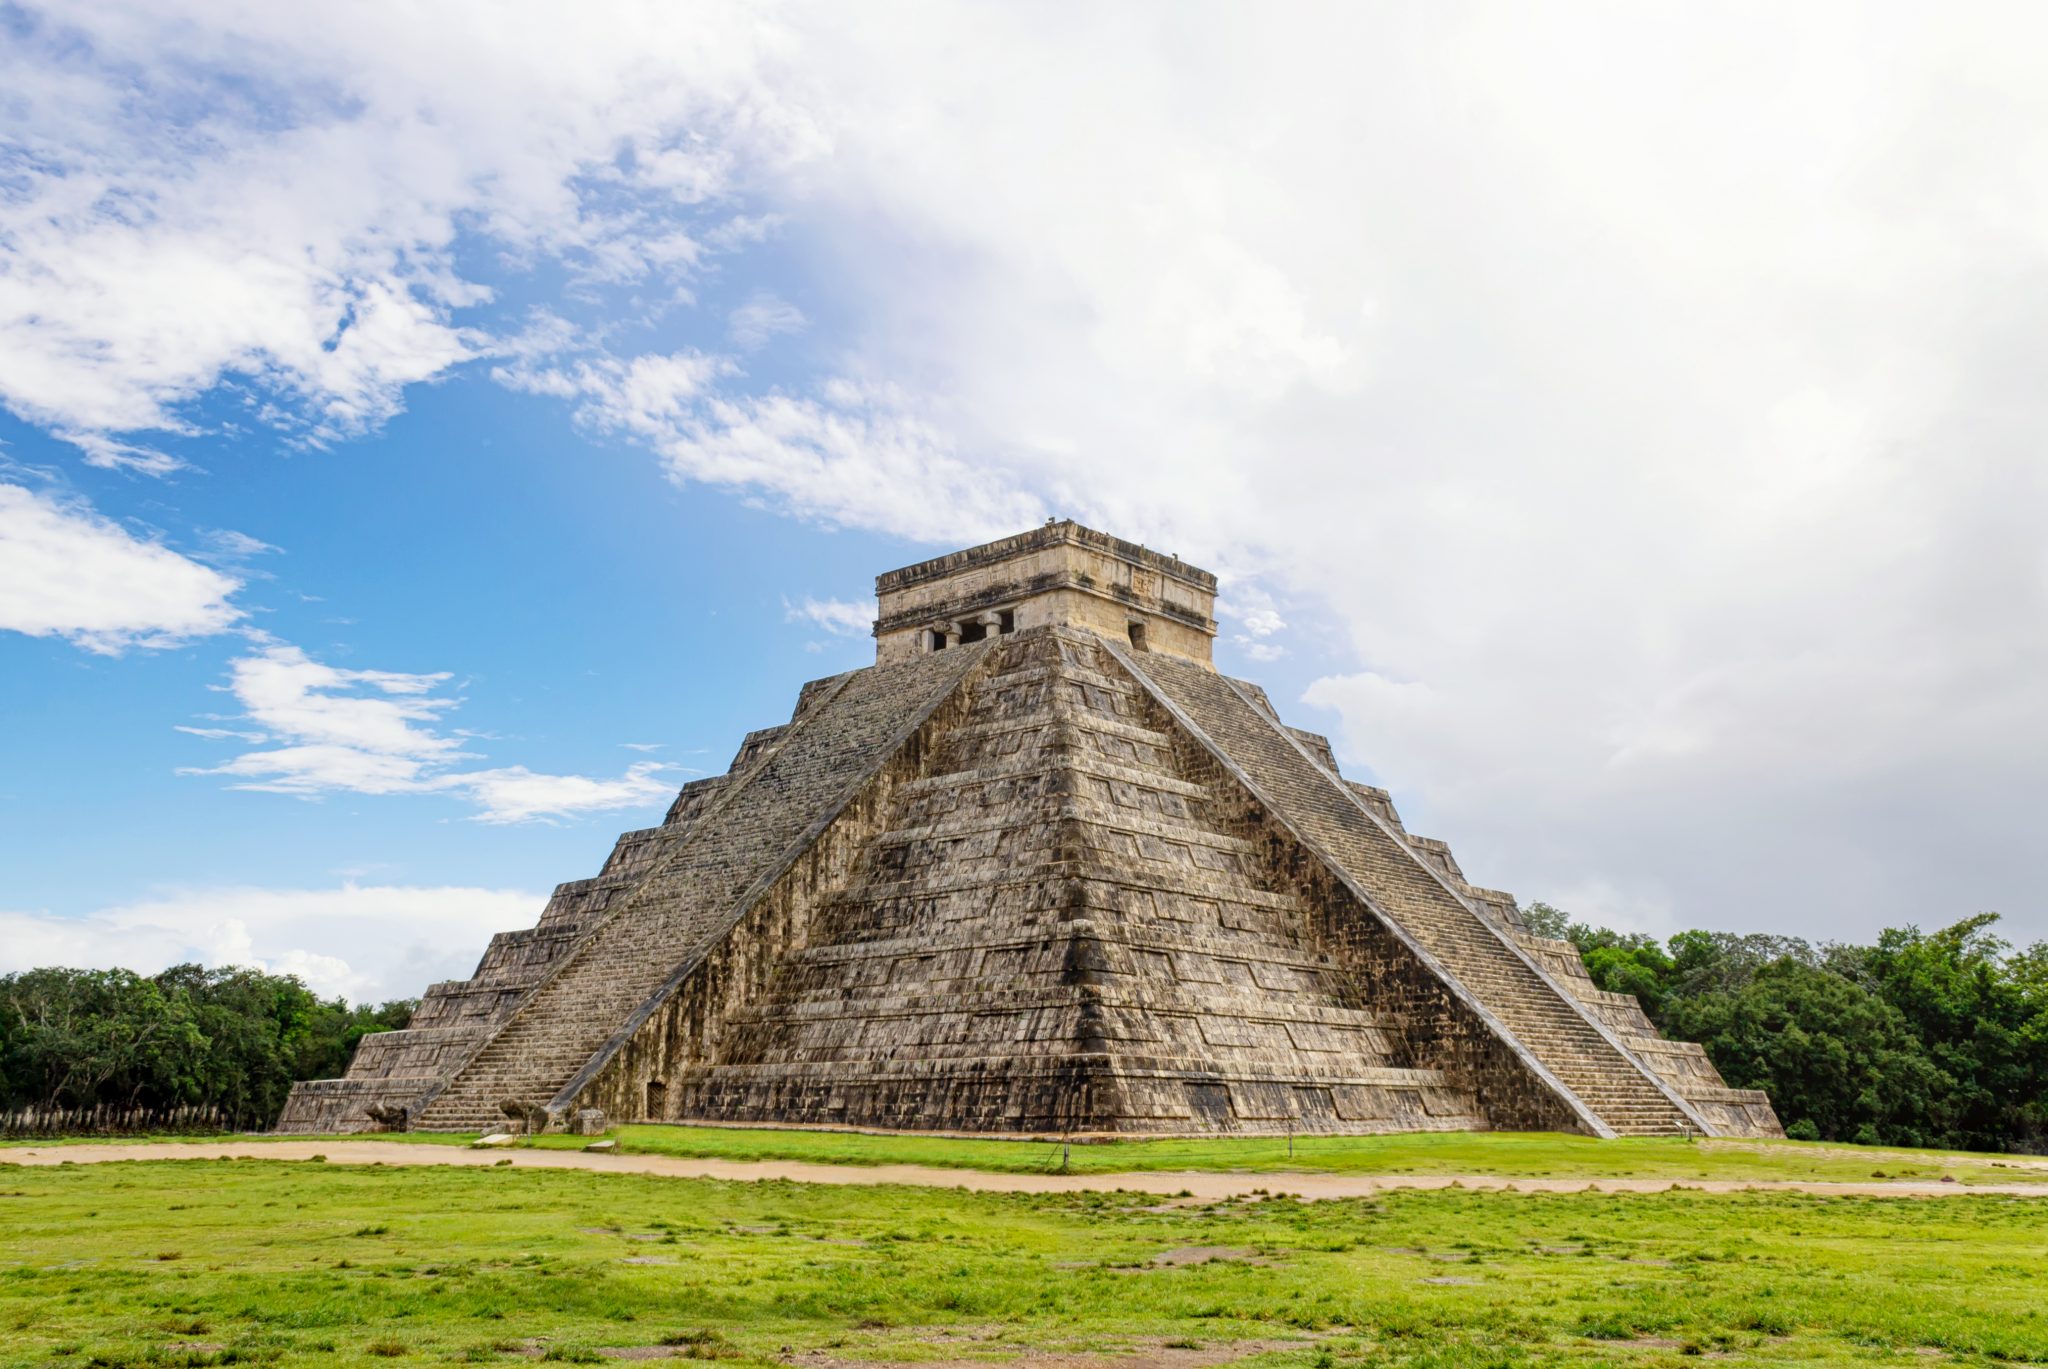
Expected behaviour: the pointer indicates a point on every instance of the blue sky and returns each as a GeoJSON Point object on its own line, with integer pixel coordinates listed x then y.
{"type": "Point", "coordinates": [429, 441]}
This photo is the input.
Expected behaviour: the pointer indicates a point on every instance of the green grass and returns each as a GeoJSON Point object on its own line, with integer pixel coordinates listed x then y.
{"type": "Point", "coordinates": [207, 1262]}
{"type": "Point", "coordinates": [1517, 1154]}
{"type": "Point", "coordinates": [1510, 1154]}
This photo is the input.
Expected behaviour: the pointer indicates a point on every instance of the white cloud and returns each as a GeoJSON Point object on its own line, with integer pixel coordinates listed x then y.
{"type": "Point", "coordinates": [114, 455]}
{"type": "Point", "coordinates": [1253, 609]}
{"type": "Point", "coordinates": [226, 547]}
{"type": "Point", "coordinates": [761, 318]}
{"type": "Point", "coordinates": [1640, 403]}
{"type": "Point", "coordinates": [519, 795]}
{"type": "Point", "coordinates": [376, 732]}
{"type": "Point", "coordinates": [840, 617]}
{"type": "Point", "coordinates": [221, 734]}
{"type": "Point", "coordinates": [381, 712]}
{"type": "Point", "coordinates": [235, 190]}
{"type": "Point", "coordinates": [850, 454]}
{"type": "Point", "coordinates": [364, 942]}
{"type": "Point", "coordinates": [65, 571]}
{"type": "Point", "coordinates": [646, 397]}
{"type": "Point", "coordinates": [854, 455]}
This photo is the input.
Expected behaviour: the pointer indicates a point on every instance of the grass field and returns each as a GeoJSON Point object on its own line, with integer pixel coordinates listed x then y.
{"type": "Point", "coordinates": [1517, 1155]}
{"type": "Point", "coordinates": [204, 1262]}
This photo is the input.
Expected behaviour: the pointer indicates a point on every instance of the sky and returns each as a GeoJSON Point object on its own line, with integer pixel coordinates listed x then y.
{"type": "Point", "coordinates": [431, 435]}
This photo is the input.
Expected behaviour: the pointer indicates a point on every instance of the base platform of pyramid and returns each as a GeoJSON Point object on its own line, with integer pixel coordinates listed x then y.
{"type": "Point", "coordinates": [1039, 870]}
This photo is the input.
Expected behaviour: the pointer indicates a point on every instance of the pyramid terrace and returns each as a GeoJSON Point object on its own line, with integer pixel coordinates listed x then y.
{"type": "Point", "coordinates": [1038, 870]}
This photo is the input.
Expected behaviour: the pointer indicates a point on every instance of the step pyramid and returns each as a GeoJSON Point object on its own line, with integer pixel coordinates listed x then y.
{"type": "Point", "coordinates": [1039, 870]}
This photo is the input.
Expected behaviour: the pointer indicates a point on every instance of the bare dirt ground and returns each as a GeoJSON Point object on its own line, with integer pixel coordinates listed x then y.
{"type": "Point", "coordinates": [1199, 1186]}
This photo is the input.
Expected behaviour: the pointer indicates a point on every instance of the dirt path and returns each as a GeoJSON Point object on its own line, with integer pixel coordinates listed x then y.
{"type": "Point", "coordinates": [1199, 1186]}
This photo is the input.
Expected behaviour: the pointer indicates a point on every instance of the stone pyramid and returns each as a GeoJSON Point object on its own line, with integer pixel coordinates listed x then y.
{"type": "Point", "coordinates": [1042, 870]}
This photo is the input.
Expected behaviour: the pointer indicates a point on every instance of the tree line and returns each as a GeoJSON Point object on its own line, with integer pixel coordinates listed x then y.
{"type": "Point", "coordinates": [231, 1041]}
{"type": "Point", "coordinates": [1922, 1039]}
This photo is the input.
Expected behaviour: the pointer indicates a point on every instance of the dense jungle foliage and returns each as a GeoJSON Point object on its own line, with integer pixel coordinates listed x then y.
{"type": "Point", "coordinates": [229, 1040]}
{"type": "Point", "coordinates": [1923, 1039]}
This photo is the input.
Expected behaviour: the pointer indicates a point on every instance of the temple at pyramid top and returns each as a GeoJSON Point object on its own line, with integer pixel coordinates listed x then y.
{"type": "Point", "coordinates": [1040, 869]}
{"type": "Point", "coordinates": [1060, 575]}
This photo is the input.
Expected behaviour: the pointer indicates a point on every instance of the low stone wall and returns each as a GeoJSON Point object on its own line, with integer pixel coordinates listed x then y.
{"type": "Point", "coordinates": [343, 1106]}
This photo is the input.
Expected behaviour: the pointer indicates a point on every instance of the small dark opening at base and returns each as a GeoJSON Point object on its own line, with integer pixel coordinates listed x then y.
{"type": "Point", "coordinates": [1138, 636]}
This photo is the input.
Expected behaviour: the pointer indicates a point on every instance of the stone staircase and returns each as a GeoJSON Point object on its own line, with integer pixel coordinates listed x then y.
{"type": "Point", "coordinates": [1050, 935]}
{"type": "Point", "coordinates": [397, 1071]}
{"type": "Point", "coordinates": [1544, 1023]}
{"type": "Point", "coordinates": [760, 817]}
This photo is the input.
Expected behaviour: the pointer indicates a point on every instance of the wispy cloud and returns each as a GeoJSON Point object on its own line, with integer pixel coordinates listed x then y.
{"type": "Point", "coordinates": [280, 198]}
{"type": "Point", "coordinates": [1681, 427]}
{"type": "Point", "coordinates": [226, 547]}
{"type": "Point", "coordinates": [761, 318]}
{"type": "Point", "coordinates": [516, 794]}
{"type": "Point", "coordinates": [854, 454]}
{"type": "Point", "coordinates": [840, 617]}
{"type": "Point", "coordinates": [378, 732]}
{"type": "Point", "coordinates": [67, 572]}
{"type": "Point", "coordinates": [110, 453]}
{"type": "Point", "coordinates": [366, 942]}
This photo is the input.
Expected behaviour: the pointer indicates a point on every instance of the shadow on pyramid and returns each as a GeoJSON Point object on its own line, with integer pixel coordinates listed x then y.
{"type": "Point", "coordinates": [1040, 870]}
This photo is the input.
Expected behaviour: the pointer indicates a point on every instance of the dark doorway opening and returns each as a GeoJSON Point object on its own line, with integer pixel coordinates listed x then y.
{"type": "Point", "coordinates": [657, 1100]}
{"type": "Point", "coordinates": [1138, 636]}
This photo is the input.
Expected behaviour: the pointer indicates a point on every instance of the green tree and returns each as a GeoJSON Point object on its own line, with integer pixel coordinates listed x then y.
{"type": "Point", "coordinates": [232, 1039]}
{"type": "Point", "coordinates": [1826, 1049]}
{"type": "Point", "coordinates": [1921, 1039]}
{"type": "Point", "coordinates": [1979, 1017]}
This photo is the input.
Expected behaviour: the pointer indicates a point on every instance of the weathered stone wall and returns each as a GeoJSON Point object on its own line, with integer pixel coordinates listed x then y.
{"type": "Point", "coordinates": [1412, 893]}
{"type": "Point", "coordinates": [1431, 1027]}
{"type": "Point", "coordinates": [1049, 937]}
{"type": "Point", "coordinates": [455, 1018]}
{"type": "Point", "coordinates": [400, 1070]}
{"type": "Point", "coordinates": [644, 1078]}
{"type": "Point", "coordinates": [1059, 575]}
{"type": "Point", "coordinates": [702, 879]}
{"type": "Point", "coordinates": [1047, 882]}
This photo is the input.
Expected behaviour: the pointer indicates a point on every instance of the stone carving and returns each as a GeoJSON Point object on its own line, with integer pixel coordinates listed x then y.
{"type": "Point", "coordinates": [388, 1116]}
{"type": "Point", "coordinates": [1042, 871]}
{"type": "Point", "coordinates": [530, 1118]}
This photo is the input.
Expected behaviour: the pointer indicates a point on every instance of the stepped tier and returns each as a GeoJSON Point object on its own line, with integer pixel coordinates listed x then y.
{"type": "Point", "coordinates": [1030, 877]}
{"type": "Point", "coordinates": [1052, 934]}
